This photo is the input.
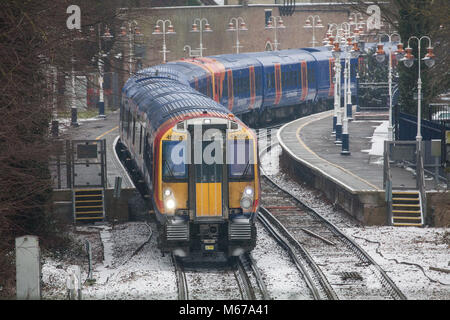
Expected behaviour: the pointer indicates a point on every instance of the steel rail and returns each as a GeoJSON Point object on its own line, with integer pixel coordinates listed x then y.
{"type": "Point", "coordinates": [285, 239]}
{"type": "Point", "coordinates": [385, 280]}
{"type": "Point", "coordinates": [183, 292]}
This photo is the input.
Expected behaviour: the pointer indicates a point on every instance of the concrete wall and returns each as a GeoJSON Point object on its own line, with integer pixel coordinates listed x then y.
{"type": "Point", "coordinates": [438, 208]}
{"type": "Point", "coordinates": [368, 208]}
{"type": "Point", "coordinates": [117, 210]}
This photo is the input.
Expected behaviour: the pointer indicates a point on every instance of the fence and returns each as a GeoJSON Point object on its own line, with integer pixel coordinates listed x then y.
{"type": "Point", "coordinates": [78, 163]}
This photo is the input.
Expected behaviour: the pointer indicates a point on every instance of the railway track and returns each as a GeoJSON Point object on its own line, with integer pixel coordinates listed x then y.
{"type": "Point", "coordinates": [315, 280]}
{"type": "Point", "coordinates": [235, 279]}
{"type": "Point", "coordinates": [350, 271]}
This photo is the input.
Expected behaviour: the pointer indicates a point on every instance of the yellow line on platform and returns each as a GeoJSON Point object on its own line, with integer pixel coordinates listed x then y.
{"type": "Point", "coordinates": [297, 134]}
{"type": "Point", "coordinates": [103, 134]}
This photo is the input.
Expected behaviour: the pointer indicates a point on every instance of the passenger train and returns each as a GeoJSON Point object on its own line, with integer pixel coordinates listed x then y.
{"type": "Point", "coordinates": [185, 127]}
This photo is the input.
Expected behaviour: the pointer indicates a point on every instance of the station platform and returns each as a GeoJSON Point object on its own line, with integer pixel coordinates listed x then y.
{"type": "Point", "coordinates": [355, 181]}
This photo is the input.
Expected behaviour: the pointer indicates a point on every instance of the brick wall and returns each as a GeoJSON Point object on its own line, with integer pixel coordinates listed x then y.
{"type": "Point", "coordinates": [220, 41]}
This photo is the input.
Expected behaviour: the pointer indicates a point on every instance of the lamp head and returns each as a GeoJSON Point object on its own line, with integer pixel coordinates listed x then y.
{"type": "Point", "coordinates": [170, 29]}
{"type": "Point", "coordinates": [307, 24]}
{"type": "Point", "coordinates": [400, 52]}
{"type": "Point", "coordinates": [319, 23]}
{"type": "Point", "coordinates": [429, 57]}
{"type": "Point", "coordinates": [408, 59]}
{"type": "Point", "coordinates": [380, 54]}
{"type": "Point", "coordinates": [336, 51]}
{"type": "Point", "coordinates": [107, 35]}
{"type": "Point", "coordinates": [207, 28]}
{"type": "Point", "coordinates": [355, 52]}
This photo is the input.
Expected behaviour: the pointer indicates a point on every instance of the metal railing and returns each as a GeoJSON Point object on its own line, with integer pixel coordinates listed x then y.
{"type": "Point", "coordinates": [401, 156]}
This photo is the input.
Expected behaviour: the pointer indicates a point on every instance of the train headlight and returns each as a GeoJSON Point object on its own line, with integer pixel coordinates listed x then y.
{"type": "Point", "coordinates": [246, 203]}
{"type": "Point", "coordinates": [167, 192]}
{"type": "Point", "coordinates": [247, 198]}
{"type": "Point", "coordinates": [169, 200]}
{"type": "Point", "coordinates": [170, 204]}
{"type": "Point", "coordinates": [248, 191]}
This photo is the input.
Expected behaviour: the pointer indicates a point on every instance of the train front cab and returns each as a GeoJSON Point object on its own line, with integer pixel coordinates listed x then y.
{"type": "Point", "coordinates": [209, 188]}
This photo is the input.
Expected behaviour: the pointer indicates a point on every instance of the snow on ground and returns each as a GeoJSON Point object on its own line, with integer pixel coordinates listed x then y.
{"type": "Point", "coordinates": [124, 273]}
{"type": "Point", "coordinates": [406, 254]}
{"type": "Point", "coordinates": [281, 277]}
{"type": "Point", "coordinates": [125, 270]}
{"type": "Point", "coordinates": [379, 136]}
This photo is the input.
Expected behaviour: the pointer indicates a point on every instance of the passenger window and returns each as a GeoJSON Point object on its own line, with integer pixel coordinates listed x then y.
{"type": "Point", "coordinates": [134, 129]}
{"type": "Point", "coordinates": [140, 141]}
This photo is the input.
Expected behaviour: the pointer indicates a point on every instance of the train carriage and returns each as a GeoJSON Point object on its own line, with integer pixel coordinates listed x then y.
{"type": "Point", "coordinates": [183, 125]}
{"type": "Point", "coordinates": [199, 162]}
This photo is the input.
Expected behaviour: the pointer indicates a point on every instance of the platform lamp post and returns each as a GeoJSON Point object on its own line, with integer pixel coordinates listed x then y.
{"type": "Point", "coordinates": [157, 31]}
{"type": "Point", "coordinates": [347, 71]}
{"type": "Point", "coordinates": [74, 110]}
{"type": "Point", "coordinates": [237, 24]}
{"type": "Point", "coordinates": [333, 45]}
{"type": "Point", "coordinates": [311, 23]}
{"type": "Point", "coordinates": [134, 36]}
{"type": "Point", "coordinates": [380, 57]}
{"type": "Point", "coordinates": [199, 28]}
{"type": "Point", "coordinates": [353, 19]}
{"type": "Point", "coordinates": [107, 36]}
{"type": "Point", "coordinates": [275, 23]}
{"type": "Point", "coordinates": [358, 34]}
{"type": "Point", "coordinates": [337, 122]}
{"type": "Point", "coordinates": [408, 60]}
{"type": "Point", "coordinates": [354, 52]}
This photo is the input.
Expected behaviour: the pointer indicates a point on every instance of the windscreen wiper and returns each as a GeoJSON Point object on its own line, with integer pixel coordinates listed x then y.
{"type": "Point", "coordinates": [166, 163]}
{"type": "Point", "coordinates": [247, 166]}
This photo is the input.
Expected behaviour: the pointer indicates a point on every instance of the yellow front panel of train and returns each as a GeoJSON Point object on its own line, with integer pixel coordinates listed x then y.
{"type": "Point", "coordinates": [208, 199]}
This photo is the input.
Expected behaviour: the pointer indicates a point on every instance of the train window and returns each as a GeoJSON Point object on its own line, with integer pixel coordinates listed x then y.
{"type": "Point", "coordinates": [148, 156]}
{"type": "Point", "coordinates": [128, 123]}
{"type": "Point", "coordinates": [225, 88]}
{"type": "Point", "coordinates": [240, 159]}
{"type": "Point", "coordinates": [245, 85]}
{"type": "Point", "coordinates": [134, 129]}
{"type": "Point", "coordinates": [257, 81]}
{"type": "Point", "coordinates": [140, 140]}
{"type": "Point", "coordinates": [122, 110]}
{"type": "Point", "coordinates": [173, 164]}
{"type": "Point", "coordinates": [123, 113]}
{"type": "Point", "coordinates": [311, 75]}
{"type": "Point", "coordinates": [293, 79]}
{"type": "Point", "coordinates": [208, 169]}
{"type": "Point", "coordinates": [270, 81]}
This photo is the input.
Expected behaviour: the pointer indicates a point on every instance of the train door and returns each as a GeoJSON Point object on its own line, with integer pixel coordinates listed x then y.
{"type": "Point", "coordinates": [208, 171]}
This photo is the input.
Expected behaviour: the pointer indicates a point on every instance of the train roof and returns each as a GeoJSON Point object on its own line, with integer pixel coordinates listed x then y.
{"type": "Point", "coordinates": [163, 98]}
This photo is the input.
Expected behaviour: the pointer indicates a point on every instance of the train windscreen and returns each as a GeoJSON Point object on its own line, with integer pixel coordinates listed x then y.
{"type": "Point", "coordinates": [174, 166]}
{"type": "Point", "coordinates": [240, 159]}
